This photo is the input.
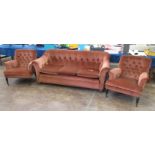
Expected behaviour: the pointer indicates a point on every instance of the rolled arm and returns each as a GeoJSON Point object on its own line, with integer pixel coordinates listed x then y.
{"type": "Point", "coordinates": [38, 64]}
{"type": "Point", "coordinates": [143, 78]}
{"type": "Point", "coordinates": [11, 64]}
{"type": "Point", "coordinates": [114, 73]}
{"type": "Point", "coordinates": [103, 70]}
{"type": "Point", "coordinates": [105, 65]}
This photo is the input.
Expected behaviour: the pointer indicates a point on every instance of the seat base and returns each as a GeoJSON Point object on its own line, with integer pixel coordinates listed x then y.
{"type": "Point", "coordinates": [125, 86]}
{"type": "Point", "coordinates": [17, 73]}
{"type": "Point", "coordinates": [69, 81]}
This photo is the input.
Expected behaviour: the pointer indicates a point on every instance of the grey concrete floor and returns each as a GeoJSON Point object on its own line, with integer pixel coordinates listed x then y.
{"type": "Point", "coordinates": [28, 95]}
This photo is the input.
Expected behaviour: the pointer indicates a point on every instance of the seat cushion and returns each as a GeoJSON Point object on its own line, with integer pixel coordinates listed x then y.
{"type": "Point", "coordinates": [89, 65]}
{"type": "Point", "coordinates": [126, 84]}
{"type": "Point", "coordinates": [17, 72]}
{"type": "Point", "coordinates": [89, 73]}
{"type": "Point", "coordinates": [69, 69]}
{"type": "Point", "coordinates": [51, 69]}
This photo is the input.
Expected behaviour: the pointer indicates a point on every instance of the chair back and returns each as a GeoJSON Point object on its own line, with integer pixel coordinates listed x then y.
{"type": "Point", "coordinates": [133, 66]}
{"type": "Point", "coordinates": [25, 56]}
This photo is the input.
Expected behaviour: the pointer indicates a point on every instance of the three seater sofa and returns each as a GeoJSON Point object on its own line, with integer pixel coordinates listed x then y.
{"type": "Point", "coordinates": [73, 68]}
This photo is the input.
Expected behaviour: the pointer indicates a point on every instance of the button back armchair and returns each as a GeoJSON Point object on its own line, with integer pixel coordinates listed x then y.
{"type": "Point", "coordinates": [18, 68]}
{"type": "Point", "coordinates": [130, 77]}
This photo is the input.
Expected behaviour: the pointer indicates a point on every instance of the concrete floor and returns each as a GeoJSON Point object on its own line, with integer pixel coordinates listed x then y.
{"type": "Point", "coordinates": [25, 95]}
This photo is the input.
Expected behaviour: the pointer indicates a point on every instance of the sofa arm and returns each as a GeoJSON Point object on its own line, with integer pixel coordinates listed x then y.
{"type": "Point", "coordinates": [42, 61]}
{"type": "Point", "coordinates": [105, 65]}
{"type": "Point", "coordinates": [104, 69]}
{"type": "Point", "coordinates": [143, 78]}
{"type": "Point", "coordinates": [114, 73]}
{"type": "Point", "coordinates": [37, 65]}
{"type": "Point", "coordinates": [11, 64]}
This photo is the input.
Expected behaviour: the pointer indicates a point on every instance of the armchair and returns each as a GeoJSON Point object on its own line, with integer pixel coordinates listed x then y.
{"type": "Point", "coordinates": [18, 68]}
{"type": "Point", "coordinates": [130, 77]}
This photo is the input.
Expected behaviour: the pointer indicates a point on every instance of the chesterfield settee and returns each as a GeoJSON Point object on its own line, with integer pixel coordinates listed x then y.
{"type": "Point", "coordinates": [130, 77]}
{"type": "Point", "coordinates": [72, 68]}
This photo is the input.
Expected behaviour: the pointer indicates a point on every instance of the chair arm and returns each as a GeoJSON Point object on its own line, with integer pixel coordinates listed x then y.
{"type": "Point", "coordinates": [143, 78]}
{"type": "Point", "coordinates": [11, 64]}
{"type": "Point", "coordinates": [114, 73]}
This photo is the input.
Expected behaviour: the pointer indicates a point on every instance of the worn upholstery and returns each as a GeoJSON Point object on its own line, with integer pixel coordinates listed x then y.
{"type": "Point", "coordinates": [19, 66]}
{"type": "Point", "coordinates": [115, 73]}
{"type": "Point", "coordinates": [131, 75]}
{"type": "Point", "coordinates": [68, 69]}
{"type": "Point", "coordinates": [78, 65]}
{"type": "Point", "coordinates": [89, 73]}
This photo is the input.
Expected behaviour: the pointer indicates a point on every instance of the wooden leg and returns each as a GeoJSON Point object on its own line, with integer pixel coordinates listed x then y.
{"type": "Point", "coordinates": [137, 101]}
{"type": "Point", "coordinates": [106, 93]}
{"type": "Point", "coordinates": [7, 81]}
{"type": "Point", "coordinates": [0, 61]}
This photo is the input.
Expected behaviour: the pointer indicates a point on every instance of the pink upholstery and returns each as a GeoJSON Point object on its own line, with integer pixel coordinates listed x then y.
{"type": "Point", "coordinates": [129, 86]}
{"type": "Point", "coordinates": [18, 72]}
{"type": "Point", "coordinates": [11, 64]}
{"type": "Point", "coordinates": [66, 63]}
{"type": "Point", "coordinates": [89, 73]}
{"type": "Point", "coordinates": [143, 78]}
{"type": "Point", "coordinates": [50, 69]}
{"type": "Point", "coordinates": [68, 70]}
{"type": "Point", "coordinates": [19, 66]}
{"type": "Point", "coordinates": [114, 73]}
{"type": "Point", "coordinates": [24, 57]}
{"type": "Point", "coordinates": [133, 66]}
{"type": "Point", "coordinates": [131, 76]}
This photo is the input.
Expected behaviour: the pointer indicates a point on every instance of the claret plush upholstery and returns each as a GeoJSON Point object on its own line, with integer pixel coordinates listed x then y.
{"type": "Point", "coordinates": [130, 77]}
{"type": "Point", "coordinates": [18, 68]}
{"type": "Point", "coordinates": [72, 68]}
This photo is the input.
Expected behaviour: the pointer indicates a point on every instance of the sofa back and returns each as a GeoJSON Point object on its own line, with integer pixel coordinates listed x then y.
{"type": "Point", "coordinates": [93, 58]}
{"type": "Point", "coordinates": [133, 66]}
{"type": "Point", "coordinates": [24, 56]}
{"type": "Point", "coordinates": [60, 56]}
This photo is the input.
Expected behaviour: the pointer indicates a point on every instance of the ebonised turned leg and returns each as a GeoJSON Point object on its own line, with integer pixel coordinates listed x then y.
{"type": "Point", "coordinates": [137, 101]}
{"type": "Point", "coordinates": [106, 93]}
{"type": "Point", "coordinates": [7, 81]}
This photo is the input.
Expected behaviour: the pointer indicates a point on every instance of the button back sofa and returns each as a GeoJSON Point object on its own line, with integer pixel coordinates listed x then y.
{"type": "Point", "coordinates": [72, 68]}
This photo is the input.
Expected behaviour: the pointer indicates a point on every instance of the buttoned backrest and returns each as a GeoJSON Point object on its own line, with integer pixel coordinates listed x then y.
{"type": "Point", "coordinates": [133, 66]}
{"type": "Point", "coordinates": [24, 56]}
{"type": "Point", "coordinates": [93, 59]}
{"type": "Point", "coordinates": [61, 57]}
